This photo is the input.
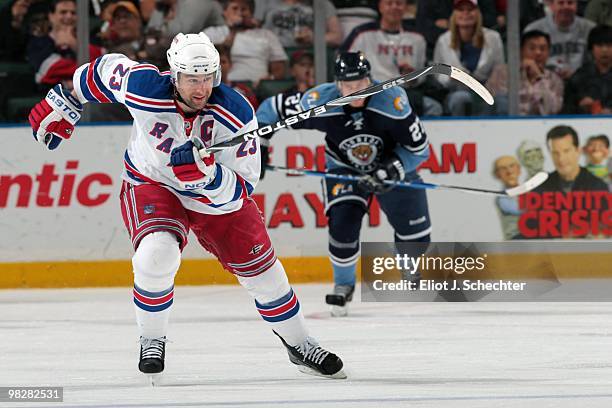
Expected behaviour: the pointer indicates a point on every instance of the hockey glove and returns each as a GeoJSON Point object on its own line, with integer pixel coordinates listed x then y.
{"type": "Point", "coordinates": [194, 168]}
{"type": "Point", "coordinates": [390, 169]}
{"type": "Point", "coordinates": [53, 119]}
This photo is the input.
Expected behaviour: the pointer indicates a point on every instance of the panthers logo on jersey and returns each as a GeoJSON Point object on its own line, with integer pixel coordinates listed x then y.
{"type": "Point", "coordinates": [313, 97]}
{"type": "Point", "coordinates": [363, 151]}
{"type": "Point", "coordinates": [341, 188]}
{"type": "Point", "coordinates": [399, 103]}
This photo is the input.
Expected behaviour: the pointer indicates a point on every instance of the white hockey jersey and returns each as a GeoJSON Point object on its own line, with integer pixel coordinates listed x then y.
{"type": "Point", "coordinates": [159, 127]}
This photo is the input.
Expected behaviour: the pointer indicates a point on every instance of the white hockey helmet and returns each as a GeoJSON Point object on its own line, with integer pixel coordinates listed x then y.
{"type": "Point", "coordinates": [194, 54]}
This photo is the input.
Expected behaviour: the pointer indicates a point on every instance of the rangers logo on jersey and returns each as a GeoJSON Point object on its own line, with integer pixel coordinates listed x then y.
{"type": "Point", "coordinates": [363, 151]}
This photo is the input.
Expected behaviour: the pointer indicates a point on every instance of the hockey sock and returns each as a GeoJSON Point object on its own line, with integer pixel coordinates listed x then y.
{"type": "Point", "coordinates": [277, 303]}
{"type": "Point", "coordinates": [152, 311]}
{"type": "Point", "coordinates": [344, 275]}
{"type": "Point", "coordinates": [155, 263]}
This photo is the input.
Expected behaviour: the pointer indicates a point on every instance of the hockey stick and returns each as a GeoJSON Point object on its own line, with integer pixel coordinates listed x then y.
{"type": "Point", "coordinates": [440, 69]}
{"type": "Point", "coordinates": [527, 186]}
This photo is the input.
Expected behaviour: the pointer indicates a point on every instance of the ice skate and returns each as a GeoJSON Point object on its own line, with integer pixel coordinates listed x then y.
{"type": "Point", "coordinates": [339, 299]}
{"type": "Point", "coordinates": [413, 278]}
{"type": "Point", "coordinates": [314, 360]}
{"type": "Point", "coordinates": [152, 353]}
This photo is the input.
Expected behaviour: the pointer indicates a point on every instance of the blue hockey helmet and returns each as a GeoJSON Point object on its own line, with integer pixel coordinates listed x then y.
{"type": "Point", "coordinates": [351, 66]}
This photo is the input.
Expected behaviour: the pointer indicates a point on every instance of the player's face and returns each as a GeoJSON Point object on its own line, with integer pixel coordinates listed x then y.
{"type": "Point", "coordinates": [195, 89]}
{"type": "Point", "coordinates": [349, 87]}
{"type": "Point", "coordinates": [537, 49]}
{"type": "Point", "coordinates": [565, 157]}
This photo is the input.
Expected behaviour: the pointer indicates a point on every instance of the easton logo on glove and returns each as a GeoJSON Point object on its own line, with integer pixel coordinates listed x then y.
{"type": "Point", "coordinates": [53, 119]}
{"type": "Point", "coordinates": [194, 168]}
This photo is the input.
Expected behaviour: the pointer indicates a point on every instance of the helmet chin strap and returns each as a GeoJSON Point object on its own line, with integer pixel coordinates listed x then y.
{"type": "Point", "coordinates": [179, 98]}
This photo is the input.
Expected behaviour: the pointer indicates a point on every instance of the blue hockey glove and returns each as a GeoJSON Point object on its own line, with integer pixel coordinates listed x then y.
{"type": "Point", "coordinates": [194, 168]}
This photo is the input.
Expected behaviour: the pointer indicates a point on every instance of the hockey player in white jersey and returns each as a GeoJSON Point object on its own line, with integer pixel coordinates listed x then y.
{"type": "Point", "coordinates": [171, 186]}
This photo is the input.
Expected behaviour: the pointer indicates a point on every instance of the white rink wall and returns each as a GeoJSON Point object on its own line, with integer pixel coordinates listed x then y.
{"type": "Point", "coordinates": [63, 205]}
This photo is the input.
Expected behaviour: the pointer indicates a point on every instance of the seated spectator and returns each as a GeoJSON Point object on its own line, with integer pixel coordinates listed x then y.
{"type": "Point", "coordinates": [541, 89]}
{"type": "Point", "coordinates": [53, 55]}
{"type": "Point", "coordinates": [433, 17]}
{"type": "Point", "coordinates": [256, 53]}
{"type": "Point", "coordinates": [568, 36]}
{"type": "Point", "coordinates": [302, 70]}
{"type": "Point", "coordinates": [287, 103]}
{"type": "Point", "coordinates": [124, 27]}
{"type": "Point", "coordinates": [599, 12]}
{"type": "Point", "coordinates": [225, 59]}
{"type": "Point", "coordinates": [293, 20]}
{"type": "Point", "coordinates": [184, 16]}
{"type": "Point", "coordinates": [392, 50]}
{"type": "Point", "coordinates": [472, 48]}
{"type": "Point", "coordinates": [352, 13]}
{"type": "Point", "coordinates": [588, 91]}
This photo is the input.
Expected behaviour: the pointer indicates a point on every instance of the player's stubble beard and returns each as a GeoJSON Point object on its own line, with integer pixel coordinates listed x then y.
{"type": "Point", "coordinates": [189, 102]}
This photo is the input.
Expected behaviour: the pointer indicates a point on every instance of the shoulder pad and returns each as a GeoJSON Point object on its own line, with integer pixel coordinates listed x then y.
{"type": "Point", "coordinates": [232, 103]}
{"type": "Point", "coordinates": [146, 80]}
{"type": "Point", "coordinates": [319, 95]}
{"type": "Point", "coordinates": [392, 103]}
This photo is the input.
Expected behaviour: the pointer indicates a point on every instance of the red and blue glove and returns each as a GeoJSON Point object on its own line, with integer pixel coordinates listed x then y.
{"type": "Point", "coordinates": [53, 119]}
{"type": "Point", "coordinates": [194, 168]}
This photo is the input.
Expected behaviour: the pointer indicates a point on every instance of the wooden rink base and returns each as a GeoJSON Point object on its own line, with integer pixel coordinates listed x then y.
{"type": "Point", "coordinates": [74, 274]}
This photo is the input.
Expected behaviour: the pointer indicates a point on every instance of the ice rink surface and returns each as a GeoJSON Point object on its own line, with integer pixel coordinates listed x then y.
{"type": "Point", "coordinates": [223, 354]}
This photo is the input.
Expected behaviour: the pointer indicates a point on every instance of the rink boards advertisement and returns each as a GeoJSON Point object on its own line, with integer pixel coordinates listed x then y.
{"type": "Point", "coordinates": [62, 207]}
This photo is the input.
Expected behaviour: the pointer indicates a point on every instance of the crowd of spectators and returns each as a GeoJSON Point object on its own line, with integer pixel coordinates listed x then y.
{"type": "Point", "coordinates": [566, 45]}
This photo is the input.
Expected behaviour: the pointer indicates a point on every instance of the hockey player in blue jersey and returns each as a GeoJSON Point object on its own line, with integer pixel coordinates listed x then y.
{"type": "Point", "coordinates": [379, 138]}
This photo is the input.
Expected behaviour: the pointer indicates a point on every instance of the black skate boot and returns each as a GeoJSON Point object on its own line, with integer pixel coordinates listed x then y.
{"type": "Point", "coordinates": [152, 353]}
{"type": "Point", "coordinates": [339, 298]}
{"type": "Point", "coordinates": [314, 360]}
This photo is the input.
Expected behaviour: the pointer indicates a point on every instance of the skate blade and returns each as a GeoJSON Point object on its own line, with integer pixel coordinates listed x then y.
{"type": "Point", "coordinates": [154, 380]}
{"type": "Point", "coordinates": [340, 375]}
{"type": "Point", "coordinates": [339, 311]}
